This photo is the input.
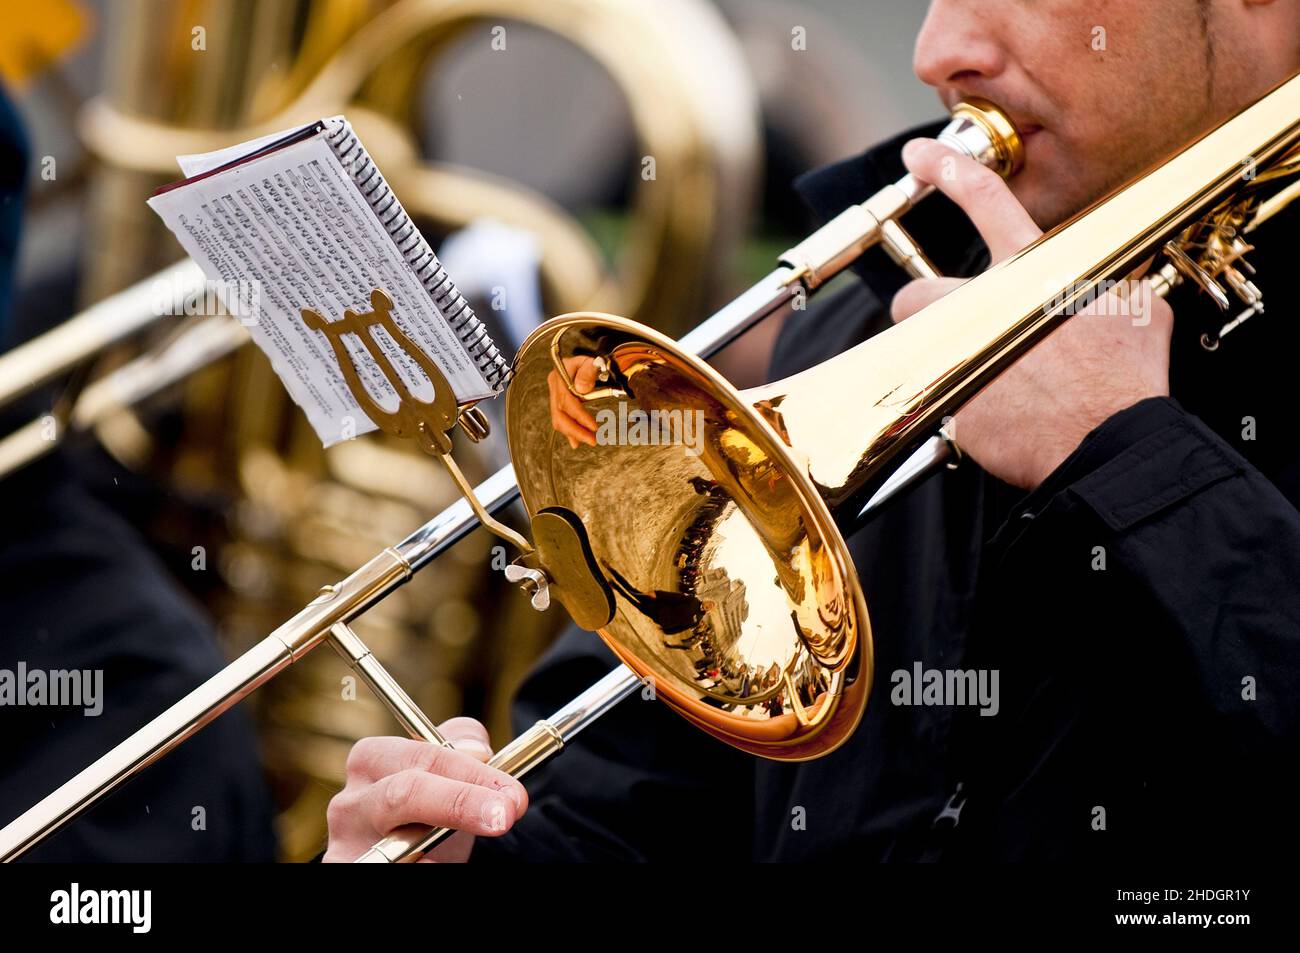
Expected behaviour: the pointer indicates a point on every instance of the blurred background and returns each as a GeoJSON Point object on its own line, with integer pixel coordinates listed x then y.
{"type": "Point", "coordinates": [622, 155]}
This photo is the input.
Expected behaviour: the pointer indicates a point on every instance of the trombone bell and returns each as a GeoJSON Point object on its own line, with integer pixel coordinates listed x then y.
{"type": "Point", "coordinates": [732, 593]}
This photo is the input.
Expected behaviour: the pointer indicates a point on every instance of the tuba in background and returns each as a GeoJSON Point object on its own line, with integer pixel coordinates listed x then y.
{"type": "Point", "coordinates": [254, 516]}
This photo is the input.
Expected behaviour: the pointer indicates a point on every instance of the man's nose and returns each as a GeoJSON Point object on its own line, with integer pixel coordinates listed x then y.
{"type": "Point", "coordinates": [958, 43]}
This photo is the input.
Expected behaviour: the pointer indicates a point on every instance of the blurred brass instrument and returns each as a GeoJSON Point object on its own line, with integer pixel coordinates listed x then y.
{"type": "Point", "coordinates": [735, 550]}
{"type": "Point", "coordinates": [686, 224]}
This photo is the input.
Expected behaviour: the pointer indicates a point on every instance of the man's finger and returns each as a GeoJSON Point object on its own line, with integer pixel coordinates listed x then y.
{"type": "Point", "coordinates": [921, 293]}
{"type": "Point", "coordinates": [569, 415]}
{"type": "Point", "coordinates": [577, 411]}
{"type": "Point", "coordinates": [570, 428]}
{"type": "Point", "coordinates": [467, 735]}
{"type": "Point", "coordinates": [415, 797]}
{"type": "Point", "coordinates": [981, 193]}
{"type": "Point", "coordinates": [373, 758]}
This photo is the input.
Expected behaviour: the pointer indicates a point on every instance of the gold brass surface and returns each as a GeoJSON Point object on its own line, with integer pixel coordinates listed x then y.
{"type": "Point", "coordinates": [427, 422]}
{"type": "Point", "coordinates": [719, 548]}
{"type": "Point", "coordinates": [361, 660]}
{"type": "Point", "coordinates": [843, 239]}
{"type": "Point", "coordinates": [1008, 147]}
{"type": "Point", "coordinates": [687, 220]}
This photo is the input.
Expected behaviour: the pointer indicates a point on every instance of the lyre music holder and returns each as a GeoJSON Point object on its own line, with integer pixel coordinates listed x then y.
{"type": "Point", "coordinates": [560, 565]}
{"type": "Point", "coordinates": [428, 422]}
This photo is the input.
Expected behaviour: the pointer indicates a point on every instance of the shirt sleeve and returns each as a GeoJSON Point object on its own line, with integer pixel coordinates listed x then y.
{"type": "Point", "coordinates": [1212, 543]}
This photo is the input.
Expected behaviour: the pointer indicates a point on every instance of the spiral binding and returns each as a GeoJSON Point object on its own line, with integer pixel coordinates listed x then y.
{"type": "Point", "coordinates": [428, 269]}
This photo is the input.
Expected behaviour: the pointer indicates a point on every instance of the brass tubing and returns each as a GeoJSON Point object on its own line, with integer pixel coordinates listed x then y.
{"type": "Point", "coordinates": [362, 661]}
{"type": "Point", "coordinates": [80, 338]}
{"type": "Point", "coordinates": [195, 348]}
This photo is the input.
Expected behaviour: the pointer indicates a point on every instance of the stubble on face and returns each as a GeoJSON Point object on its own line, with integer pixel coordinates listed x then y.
{"type": "Point", "coordinates": [1109, 114]}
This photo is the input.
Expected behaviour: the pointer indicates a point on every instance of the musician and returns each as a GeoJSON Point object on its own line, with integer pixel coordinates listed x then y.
{"type": "Point", "coordinates": [1121, 545]}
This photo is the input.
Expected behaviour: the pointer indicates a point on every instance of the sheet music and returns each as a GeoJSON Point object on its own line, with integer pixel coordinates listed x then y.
{"type": "Point", "coordinates": [199, 162]}
{"type": "Point", "coordinates": [290, 230]}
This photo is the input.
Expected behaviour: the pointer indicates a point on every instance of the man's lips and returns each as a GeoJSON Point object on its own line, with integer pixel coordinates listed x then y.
{"type": "Point", "coordinates": [1024, 122]}
{"type": "Point", "coordinates": [1025, 125]}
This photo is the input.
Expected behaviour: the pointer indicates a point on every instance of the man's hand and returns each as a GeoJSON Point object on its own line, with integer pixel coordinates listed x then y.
{"type": "Point", "coordinates": [568, 414]}
{"type": "Point", "coordinates": [1023, 425]}
{"type": "Point", "coordinates": [392, 782]}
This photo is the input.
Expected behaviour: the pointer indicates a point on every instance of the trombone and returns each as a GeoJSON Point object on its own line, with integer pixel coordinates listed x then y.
{"type": "Point", "coordinates": [755, 520]}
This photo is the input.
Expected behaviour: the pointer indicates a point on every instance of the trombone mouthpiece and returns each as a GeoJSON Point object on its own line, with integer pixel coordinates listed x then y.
{"type": "Point", "coordinates": [986, 134]}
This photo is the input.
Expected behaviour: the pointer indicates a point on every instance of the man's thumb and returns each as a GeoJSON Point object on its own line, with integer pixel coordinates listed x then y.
{"type": "Point", "coordinates": [584, 373]}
